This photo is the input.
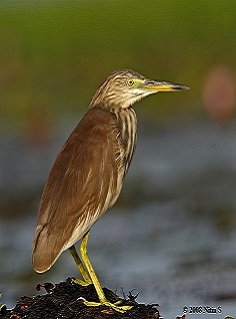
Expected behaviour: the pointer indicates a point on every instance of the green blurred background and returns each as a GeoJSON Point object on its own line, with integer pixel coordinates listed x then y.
{"type": "Point", "coordinates": [55, 53]}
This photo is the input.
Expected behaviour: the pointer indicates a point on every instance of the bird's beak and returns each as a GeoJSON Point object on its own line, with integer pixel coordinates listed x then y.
{"type": "Point", "coordinates": [163, 86]}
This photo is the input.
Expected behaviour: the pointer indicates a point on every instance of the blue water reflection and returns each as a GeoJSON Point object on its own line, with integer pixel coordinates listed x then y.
{"type": "Point", "coordinates": [172, 234]}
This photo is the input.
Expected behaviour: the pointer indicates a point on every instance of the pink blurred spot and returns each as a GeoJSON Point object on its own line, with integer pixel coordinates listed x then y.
{"type": "Point", "coordinates": [219, 93]}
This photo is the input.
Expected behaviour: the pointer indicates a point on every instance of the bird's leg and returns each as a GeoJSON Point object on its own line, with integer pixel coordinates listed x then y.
{"type": "Point", "coordinates": [95, 281]}
{"type": "Point", "coordinates": [87, 280]}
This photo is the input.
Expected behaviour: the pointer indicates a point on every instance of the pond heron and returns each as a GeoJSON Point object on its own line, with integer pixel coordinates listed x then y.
{"type": "Point", "coordinates": [87, 176]}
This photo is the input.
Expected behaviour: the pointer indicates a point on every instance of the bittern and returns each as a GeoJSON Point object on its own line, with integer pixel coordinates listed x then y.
{"type": "Point", "coordinates": [87, 176]}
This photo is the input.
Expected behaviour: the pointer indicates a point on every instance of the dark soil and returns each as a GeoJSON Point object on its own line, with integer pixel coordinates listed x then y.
{"type": "Point", "coordinates": [64, 300]}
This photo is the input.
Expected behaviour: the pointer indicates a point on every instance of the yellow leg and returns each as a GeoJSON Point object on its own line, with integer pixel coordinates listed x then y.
{"type": "Point", "coordinates": [95, 281]}
{"type": "Point", "coordinates": [87, 280]}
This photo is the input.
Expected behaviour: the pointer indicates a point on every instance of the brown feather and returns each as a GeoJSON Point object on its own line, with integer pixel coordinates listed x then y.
{"type": "Point", "coordinates": [82, 185]}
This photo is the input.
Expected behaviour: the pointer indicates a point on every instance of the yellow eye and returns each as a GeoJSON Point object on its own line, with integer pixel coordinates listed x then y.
{"type": "Point", "coordinates": [130, 82]}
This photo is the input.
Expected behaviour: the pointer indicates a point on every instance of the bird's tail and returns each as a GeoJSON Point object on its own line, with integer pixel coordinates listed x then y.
{"type": "Point", "coordinates": [43, 254]}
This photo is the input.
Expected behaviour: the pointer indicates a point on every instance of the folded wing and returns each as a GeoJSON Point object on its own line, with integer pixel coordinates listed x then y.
{"type": "Point", "coordinates": [82, 184]}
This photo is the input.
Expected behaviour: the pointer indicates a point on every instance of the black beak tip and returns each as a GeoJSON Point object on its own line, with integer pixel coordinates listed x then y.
{"type": "Point", "coordinates": [181, 87]}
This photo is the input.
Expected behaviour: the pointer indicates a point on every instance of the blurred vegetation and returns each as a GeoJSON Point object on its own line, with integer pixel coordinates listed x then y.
{"type": "Point", "coordinates": [54, 54]}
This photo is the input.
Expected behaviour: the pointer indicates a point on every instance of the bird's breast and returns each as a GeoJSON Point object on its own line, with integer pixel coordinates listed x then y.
{"type": "Point", "coordinates": [127, 127]}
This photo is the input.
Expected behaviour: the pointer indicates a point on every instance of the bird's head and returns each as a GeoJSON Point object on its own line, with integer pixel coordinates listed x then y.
{"type": "Point", "coordinates": [125, 87]}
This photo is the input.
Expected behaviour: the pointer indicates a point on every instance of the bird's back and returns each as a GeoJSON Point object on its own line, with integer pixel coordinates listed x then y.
{"type": "Point", "coordinates": [84, 182]}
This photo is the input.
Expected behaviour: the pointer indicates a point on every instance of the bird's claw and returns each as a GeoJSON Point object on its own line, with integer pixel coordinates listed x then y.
{"type": "Point", "coordinates": [106, 303]}
{"type": "Point", "coordinates": [81, 282]}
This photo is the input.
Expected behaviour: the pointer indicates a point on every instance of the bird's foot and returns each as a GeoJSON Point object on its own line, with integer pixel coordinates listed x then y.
{"type": "Point", "coordinates": [107, 303]}
{"type": "Point", "coordinates": [82, 282]}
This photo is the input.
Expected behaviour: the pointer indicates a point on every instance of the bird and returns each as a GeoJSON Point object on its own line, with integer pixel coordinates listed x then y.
{"type": "Point", "coordinates": [87, 175]}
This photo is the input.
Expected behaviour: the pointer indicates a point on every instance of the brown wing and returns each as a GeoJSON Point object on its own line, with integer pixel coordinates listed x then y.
{"type": "Point", "coordinates": [81, 186]}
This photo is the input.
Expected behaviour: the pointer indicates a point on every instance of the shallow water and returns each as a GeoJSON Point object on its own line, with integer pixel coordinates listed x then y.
{"type": "Point", "coordinates": [171, 236]}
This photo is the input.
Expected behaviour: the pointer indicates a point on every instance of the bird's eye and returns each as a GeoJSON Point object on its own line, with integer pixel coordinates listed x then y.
{"type": "Point", "coordinates": [130, 82]}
